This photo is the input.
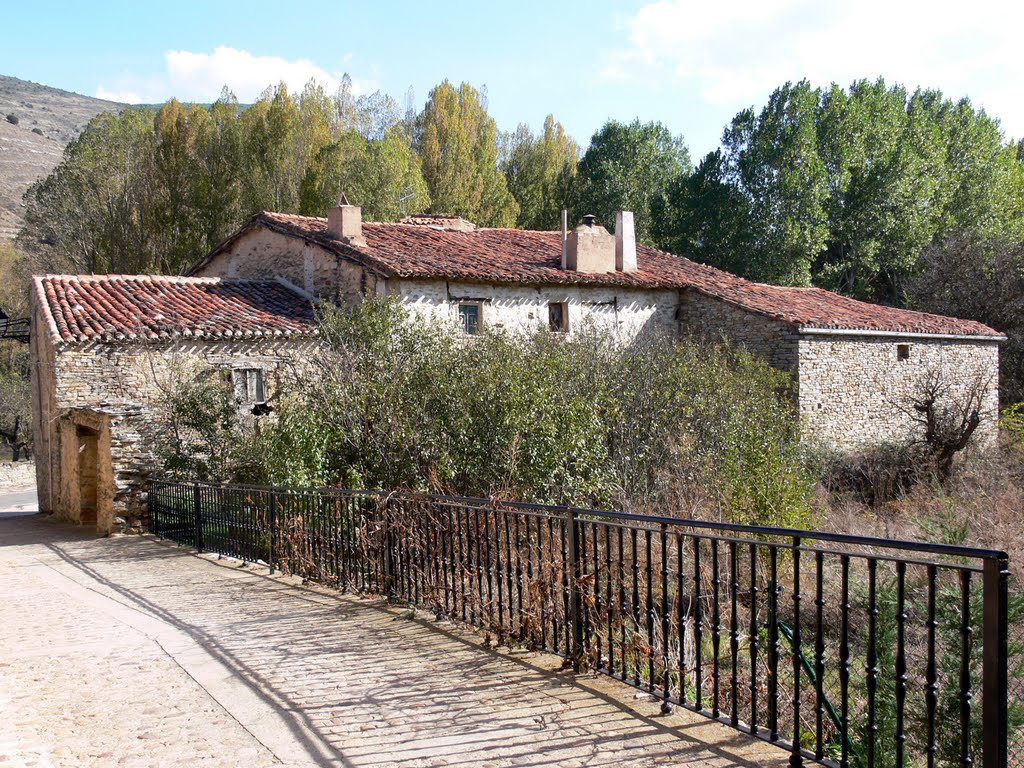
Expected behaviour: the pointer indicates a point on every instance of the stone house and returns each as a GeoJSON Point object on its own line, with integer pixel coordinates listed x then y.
{"type": "Point", "coordinates": [105, 342]}
{"type": "Point", "coordinates": [105, 349]}
{"type": "Point", "coordinates": [855, 364]}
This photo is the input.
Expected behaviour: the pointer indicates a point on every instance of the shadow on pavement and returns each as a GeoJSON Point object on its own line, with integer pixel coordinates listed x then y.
{"type": "Point", "coordinates": [350, 680]}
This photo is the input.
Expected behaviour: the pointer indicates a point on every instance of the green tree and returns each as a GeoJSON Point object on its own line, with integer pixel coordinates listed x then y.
{"type": "Point", "coordinates": [705, 217]}
{"type": "Point", "coordinates": [458, 142]}
{"type": "Point", "coordinates": [272, 164]}
{"type": "Point", "coordinates": [375, 173]}
{"type": "Point", "coordinates": [540, 172]}
{"type": "Point", "coordinates": [628, 167]}
{"type": "Point", "coordinates": [885, 174]}
{"type": "Point", "coordinates": [97, 210]}
{"type": "Point", "coordinates": [182, 194]}
{"type": "Point", "coordinates": [774, 155]}
{"type": "Point", "coordinates": [218, 163]}
{"type": "Point", "coordinates": [847, 187]}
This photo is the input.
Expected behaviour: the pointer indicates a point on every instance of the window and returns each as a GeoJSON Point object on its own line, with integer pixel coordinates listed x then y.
{"type": "Point", "coordinates": [558, 317]}
{"type": "Point", "coordinates": [902, 351]}
{"type": "Point", "coordinates": [469, 317]}
{"type": "Point", "coordinates": [249, 386]}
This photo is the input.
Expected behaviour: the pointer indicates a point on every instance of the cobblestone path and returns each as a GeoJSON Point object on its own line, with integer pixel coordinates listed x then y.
{"type": "Point", "coordinates": [129, 651]}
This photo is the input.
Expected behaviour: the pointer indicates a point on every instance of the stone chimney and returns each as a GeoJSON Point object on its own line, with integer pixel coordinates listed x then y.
{"type": "Point", "coordinates": [590, 248]}
{"type": "Point", "coordinates": [625, 242]}
{"type": "Point", "coordinates": [345, 222]}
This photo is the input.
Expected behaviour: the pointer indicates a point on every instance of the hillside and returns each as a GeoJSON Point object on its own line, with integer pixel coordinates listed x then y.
{"type": "Point", "coordinates": [25, 156]}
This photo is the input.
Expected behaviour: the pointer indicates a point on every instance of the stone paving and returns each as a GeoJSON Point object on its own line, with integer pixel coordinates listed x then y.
{"type": "Point", "coordinates": [130, 651]}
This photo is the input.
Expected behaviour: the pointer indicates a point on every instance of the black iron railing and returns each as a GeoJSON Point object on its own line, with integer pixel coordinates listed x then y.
{"type": "Point", "coordinates": [843, 649]}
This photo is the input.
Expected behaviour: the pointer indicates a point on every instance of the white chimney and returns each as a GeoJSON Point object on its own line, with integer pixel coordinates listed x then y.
{"type": "Point", "coordinates": [625, 242]}
{"type": "Point", "coordinates": [565, 236]}
{"type": "Point", "coordinates": [345, 222]}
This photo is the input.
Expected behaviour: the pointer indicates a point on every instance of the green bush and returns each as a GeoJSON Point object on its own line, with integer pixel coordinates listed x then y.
{"type": "Point", "coordinates": [400, 403]}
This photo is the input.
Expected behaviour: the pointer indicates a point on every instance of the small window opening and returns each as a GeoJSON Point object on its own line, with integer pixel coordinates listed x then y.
{"type": "Point", "coordinates": [902, 351]}
{"type": "Point", "coordinates": [249, 385]}
{"type": "Point", "coordinates": [469, 318]}
{"type": "Point", "coordinates": [558, 317]}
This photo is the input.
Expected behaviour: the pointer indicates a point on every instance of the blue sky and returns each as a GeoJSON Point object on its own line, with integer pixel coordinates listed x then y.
{"type": "Point", "coordinates": [692, 64]}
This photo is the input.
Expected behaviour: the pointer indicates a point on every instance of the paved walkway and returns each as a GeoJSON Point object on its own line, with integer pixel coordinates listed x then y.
{"type": "Point", "coordinates": [129, 651]}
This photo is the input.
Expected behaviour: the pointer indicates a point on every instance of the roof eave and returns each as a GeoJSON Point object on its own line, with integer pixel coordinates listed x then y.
{"type": "Point", "coordinates": [812, 331]}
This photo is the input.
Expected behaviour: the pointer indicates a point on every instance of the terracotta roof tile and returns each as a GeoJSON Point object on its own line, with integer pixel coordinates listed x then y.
{"type": "Point", "coordinates": [534, 258]}
{"type": "Point", "coordinates": [111, 308]}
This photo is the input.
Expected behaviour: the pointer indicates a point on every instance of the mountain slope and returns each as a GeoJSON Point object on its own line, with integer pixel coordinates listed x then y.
{"type": "Point", "coordinates": [47, 119]}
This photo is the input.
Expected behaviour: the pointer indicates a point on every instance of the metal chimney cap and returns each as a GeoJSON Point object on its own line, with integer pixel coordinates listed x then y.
{"type": "Point", "coordinates": [590, 220]}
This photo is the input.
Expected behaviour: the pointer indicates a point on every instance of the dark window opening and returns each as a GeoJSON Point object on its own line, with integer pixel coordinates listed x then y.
{"type": "Point", "coordinates": [249, 385]}
{"type": "Point", "coordinates": [902, 351]}
{"type": "Point", "coordinates": [558, 317]}
{"type": "Point", "coordinates": [469, 318]}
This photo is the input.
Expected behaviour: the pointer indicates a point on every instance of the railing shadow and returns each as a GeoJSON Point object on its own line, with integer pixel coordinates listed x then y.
{"type": "Point", "coordinates": [373, 673]}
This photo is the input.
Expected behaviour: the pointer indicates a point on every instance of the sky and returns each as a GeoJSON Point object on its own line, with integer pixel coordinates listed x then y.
{"type": "Point", "coordinates": [690, 64]}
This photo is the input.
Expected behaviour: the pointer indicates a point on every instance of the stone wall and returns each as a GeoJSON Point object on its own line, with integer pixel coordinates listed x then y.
{"type": "Point", "coordinates": [856, 390]}
{"type": "Point", "coordinates": [625, 311]}
{"type": "Point", "coordinates": [718, 321]}
{"type": "Point", "coordinates": [262, 254]}
{"type": "Point", "coordinates": [17, 473]}
{"type": "Point", "coordinates": [113, 390]}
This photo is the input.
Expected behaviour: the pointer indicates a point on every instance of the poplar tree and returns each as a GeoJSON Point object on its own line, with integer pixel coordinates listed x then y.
{"type": "Point", "coordinates": [540, 172]}
{"type": "Point", "coordinates": [458, 142]}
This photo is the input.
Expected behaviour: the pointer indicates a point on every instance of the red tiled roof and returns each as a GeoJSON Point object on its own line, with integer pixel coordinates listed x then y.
{"type": "Point", "coordinates": [110, 308]}
{"type": "Point", "coordinates": [534, 258]}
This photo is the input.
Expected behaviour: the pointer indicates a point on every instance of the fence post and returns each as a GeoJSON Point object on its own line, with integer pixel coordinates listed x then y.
{"type": "Point", "coordinates": [272, 521]}
{"type": "Point", "coordinates": [994, 664]}
{"type": "Point", "coordinates": [197, 508]}
{"type": "Point", "coordinates": [575, 598]}
{"type": "Point", "coordinates": [154, 520]}
{"type": "Point", "coordinates": [386, 554]}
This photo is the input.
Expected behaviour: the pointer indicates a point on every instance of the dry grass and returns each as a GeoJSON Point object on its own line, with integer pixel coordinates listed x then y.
{"type": "Point", "coordinates": [981, 505]}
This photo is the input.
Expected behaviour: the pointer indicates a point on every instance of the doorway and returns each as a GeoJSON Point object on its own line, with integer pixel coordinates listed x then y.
{"type": "Point", "coordinates": [88, 475]}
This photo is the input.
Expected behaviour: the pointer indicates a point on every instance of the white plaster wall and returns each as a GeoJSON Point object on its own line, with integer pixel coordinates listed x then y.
{"type": "Point", "coordinates": [854, 391]}
{"type": "Point", "coordinates": [625, 311]}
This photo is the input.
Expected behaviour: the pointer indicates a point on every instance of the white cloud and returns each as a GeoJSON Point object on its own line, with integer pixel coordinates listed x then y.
{"type": "Point", "coordinates": [124, 97]}
{"type": "Point", "coordinates": [733, 54]}
{"type": "Point", "coordinates": [200, 76]}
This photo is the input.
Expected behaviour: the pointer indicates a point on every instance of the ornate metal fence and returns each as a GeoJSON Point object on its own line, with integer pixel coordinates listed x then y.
{"type": "Point", "coordinates": [843, 649]}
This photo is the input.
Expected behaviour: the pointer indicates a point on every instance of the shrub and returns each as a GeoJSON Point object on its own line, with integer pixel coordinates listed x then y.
{"type": "Point", "coordinates": [199, 432]}
{"type": "Point", "coordinates": [12, 118]}
{"type": "Point", "coordinates": [37, 131]}
{"type": "Point", "coordinates": [399, 403]}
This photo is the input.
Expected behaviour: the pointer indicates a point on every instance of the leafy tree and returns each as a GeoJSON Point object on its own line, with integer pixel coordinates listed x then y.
{"type": "Point", "coordinates": [218, 162]}
{"type": "Point", "coordinates": [628, 167]}
{"type": "Point", "coordinates": [182, 194]}
{"type": "Point", "coordinates": [271, 162]}
{"type": "Point", "coordinates": [967, 277]}
{"type": "Point", "coordinates": [540, 171]}
{"type": "Point", "coordinates": [775, 158]}
{"type": "Point", "coordinates": [458, 142]}
{"type": "Point", "coordinates": [847, 187]}
{"type": "Point", "coordinates": [885, 171]}
{"type": "Point", "coordinates": [705, 217]}
{"type": "Point", "coordinates": [377, 173]}
{"type": "Point", "coordinates": [97, 211]}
